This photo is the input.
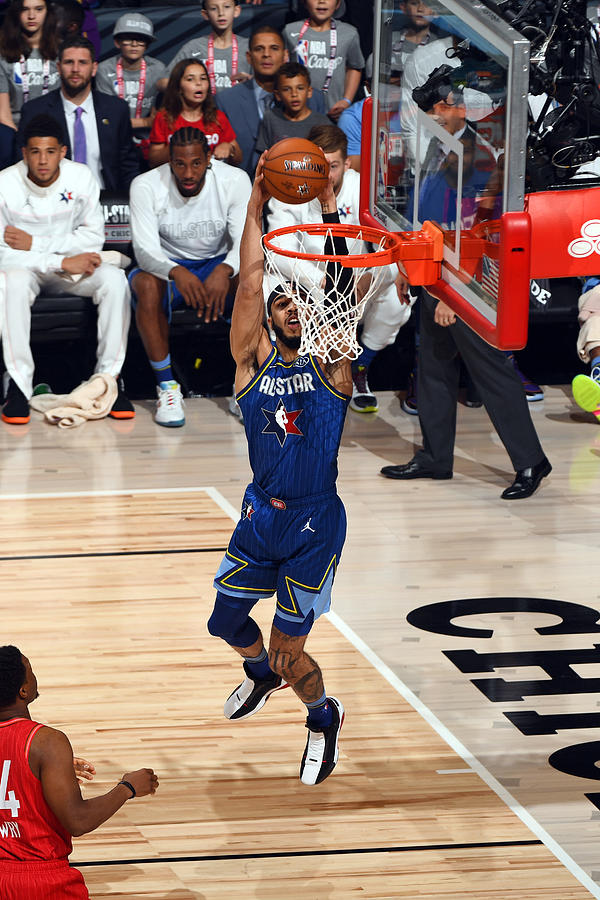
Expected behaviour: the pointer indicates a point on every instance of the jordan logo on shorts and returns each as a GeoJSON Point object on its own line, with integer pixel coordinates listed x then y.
{"type": "Point", "coordinates": [307, 527]}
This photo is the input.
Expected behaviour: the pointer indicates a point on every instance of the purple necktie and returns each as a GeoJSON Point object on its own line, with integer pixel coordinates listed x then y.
{"type": "Point", "coordinates": [79, 145]}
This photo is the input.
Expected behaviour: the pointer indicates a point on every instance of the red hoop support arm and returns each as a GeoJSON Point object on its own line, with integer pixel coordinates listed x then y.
{"type": "Point", "coordinates": [510, 329]}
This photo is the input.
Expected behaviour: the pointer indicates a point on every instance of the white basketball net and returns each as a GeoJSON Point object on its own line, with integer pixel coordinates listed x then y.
{"type": "Point", "coordinates": [330, 298]}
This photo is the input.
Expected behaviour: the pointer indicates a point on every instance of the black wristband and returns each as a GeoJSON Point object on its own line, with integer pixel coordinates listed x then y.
{"type": "Point", "coordinates": [332, 218]}
{"type": "Point", "coordinates": [131, 788]}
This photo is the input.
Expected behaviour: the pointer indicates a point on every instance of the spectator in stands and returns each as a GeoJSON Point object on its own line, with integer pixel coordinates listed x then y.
{"type": "Point", "coordinates": [75, 18]}
{"type": "Point", "coordinates": [52, 228]}
{"type": "Point", "coordinates": [132, 75]}
{"type": "Point", "coordinates": [89, 26]}
{"type": "Point", "coordinates": [330, 50]}
{"type": "Point", "coordinates": [189, 102]}
{"type": "Point", "coordinates": [245, 104]}
{"type": "Point", "coordinates": [70, 18]}
{"type": "Point", "coordinates": [350, 120]}
{"type": "Point", "coordinates": [586, 388]}
{"type": "Point", "coordinates": [97, 127]}
{"type": "Point", "coordinates": [187, 218]}
{"type": "Point", "coordinates": [390, 309]}
{"type": "Point", "coordinates": [415, 32]}
{"type": "Point", "coordinates": [223, 53]}
{"type": "Point", "coordinates": [439, 184]}
{"type": "Point", "coordinates": [28, 50]}
{"type": "Point", "coordinates": [293, 118]}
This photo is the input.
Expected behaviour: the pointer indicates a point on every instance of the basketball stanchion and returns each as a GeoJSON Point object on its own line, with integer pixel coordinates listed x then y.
{"type": "Point", "coordinates": [330, 304]}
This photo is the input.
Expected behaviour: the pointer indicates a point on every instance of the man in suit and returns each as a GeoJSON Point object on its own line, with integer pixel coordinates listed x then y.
{"type": "Point", "coordinates": [245, 103]}
{"type": "Point", "coordinates": [96, 126]}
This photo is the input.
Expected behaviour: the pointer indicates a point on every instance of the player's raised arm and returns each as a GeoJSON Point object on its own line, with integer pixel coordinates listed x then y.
{"type": "Point", "coordinates": [250, 343]}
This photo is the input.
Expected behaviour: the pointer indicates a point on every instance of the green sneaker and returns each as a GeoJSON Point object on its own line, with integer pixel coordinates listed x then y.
{"type": "Point", "coordinates": [586, 392]}
{"type": "Point", "coordinates": [41, 389]}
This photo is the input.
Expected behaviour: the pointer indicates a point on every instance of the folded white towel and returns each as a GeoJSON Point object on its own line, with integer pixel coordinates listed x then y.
{"type": "Point", "coordinates": [91, 400]}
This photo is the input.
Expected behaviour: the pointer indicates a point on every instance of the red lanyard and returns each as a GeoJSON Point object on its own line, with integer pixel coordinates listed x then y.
{"type": "Point", "coordinates": [121, 86]}
{"type": "Point", "coordinates": [25, 77]}
{"type": "Point", "coordinates": [332, 52]}
{"type": "Point", "coordinates": [210, 62]}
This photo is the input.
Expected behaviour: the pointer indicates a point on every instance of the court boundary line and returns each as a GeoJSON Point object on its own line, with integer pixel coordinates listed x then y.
{"type": "Point", "coordinates": [384, 670]}
{"type": "Point", "coordinates": [110, 553]}
{"type": "Point", "coordinates": [478, 767]}
{"type": "Point", "coordinates": [342, 851]}
{"type": "Point", "coordinates": [120, 492]}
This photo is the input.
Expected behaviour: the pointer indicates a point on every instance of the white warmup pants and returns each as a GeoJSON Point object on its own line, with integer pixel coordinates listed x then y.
{"type": "Point", "coordinates": [589, 320]}
{"type": "Point", "coordinates": [383, 317]}
{"type": "Point", "coordinates": [107, 287]}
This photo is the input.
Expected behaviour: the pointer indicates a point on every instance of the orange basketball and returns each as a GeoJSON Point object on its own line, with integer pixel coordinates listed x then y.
{"type": "Point", "coordinates": [295, 170]}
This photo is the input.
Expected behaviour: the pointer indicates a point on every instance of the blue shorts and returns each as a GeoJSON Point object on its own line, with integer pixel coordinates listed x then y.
{"type": "Point", "coordinates": [293, 549]}
{"type": "Point", "coordinates": [172, 299]}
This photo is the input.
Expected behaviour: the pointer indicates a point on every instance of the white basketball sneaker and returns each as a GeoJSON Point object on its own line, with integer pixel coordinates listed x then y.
{"type": "Point", "coordinates": [321, 751]}
{"type": "Point", "coordinates": [169, 406]}
{"type": "Point", "coordinates": [251, 695]}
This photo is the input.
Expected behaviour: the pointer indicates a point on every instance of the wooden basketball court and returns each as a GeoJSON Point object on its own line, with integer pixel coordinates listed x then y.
{"type": "Point", "coordinates": [112, 534]}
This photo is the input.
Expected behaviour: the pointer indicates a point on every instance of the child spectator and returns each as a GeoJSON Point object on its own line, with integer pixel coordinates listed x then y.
{"type": "Point", "coordinates": [189, 102]}
{"type": "Point", "coordinates": [294, 118]}
{"type": "Point", "coordinates": [132, 75]}
{"type": "Point", "coordinates": [28, 51]}
{"type": "Point", "coordinates": [330, 50]}
{"type": "Point", "coordinates": [223, 52]}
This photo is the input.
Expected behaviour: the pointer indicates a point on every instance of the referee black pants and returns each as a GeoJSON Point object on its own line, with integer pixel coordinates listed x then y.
{"type": "Point", "coordinates": [498, 384]}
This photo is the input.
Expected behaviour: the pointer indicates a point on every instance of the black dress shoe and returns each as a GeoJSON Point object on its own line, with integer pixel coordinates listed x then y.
{"type": "Point", "coordinates": [527, 481]}
{"type": "Point", "coordinates": [413, 469]}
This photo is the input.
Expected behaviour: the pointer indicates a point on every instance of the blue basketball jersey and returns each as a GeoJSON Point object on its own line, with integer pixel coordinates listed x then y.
{"type": "Point", "coordinates": [294, 420]}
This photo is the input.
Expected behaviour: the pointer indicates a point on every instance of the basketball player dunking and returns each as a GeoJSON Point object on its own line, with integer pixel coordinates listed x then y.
{"type": "Point", "coordinates": [40, 801]}
{"type": "Point", "coordinates": [293, 524]}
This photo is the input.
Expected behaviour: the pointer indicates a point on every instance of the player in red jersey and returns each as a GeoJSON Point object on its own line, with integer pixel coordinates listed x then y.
{"type": "Point", "coordinates": [41, 805]}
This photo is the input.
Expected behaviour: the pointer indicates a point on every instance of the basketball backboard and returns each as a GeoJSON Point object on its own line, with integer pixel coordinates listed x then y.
{"type": "Point", "coordinates": [444, 139]}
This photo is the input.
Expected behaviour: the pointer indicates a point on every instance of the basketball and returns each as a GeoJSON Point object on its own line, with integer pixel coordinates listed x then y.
{"type": "Point", "coordinates": [295, 170]}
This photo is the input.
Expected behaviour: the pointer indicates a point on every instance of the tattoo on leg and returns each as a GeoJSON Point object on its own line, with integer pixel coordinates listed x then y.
{"type": "Point", "coordinates": [283, 661]}
{"type": "Point", "coordinates": [310, 687]}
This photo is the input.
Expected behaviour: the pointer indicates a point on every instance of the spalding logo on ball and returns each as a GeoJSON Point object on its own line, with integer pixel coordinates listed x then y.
{"type": "Point", "coordinates": [295, 170]}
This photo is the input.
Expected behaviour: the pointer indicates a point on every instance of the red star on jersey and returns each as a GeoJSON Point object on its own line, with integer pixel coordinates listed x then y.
{"type": "Point", "coordinates": [290, 425]}
{"type": "Point", "coordinates": [344, 211]}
